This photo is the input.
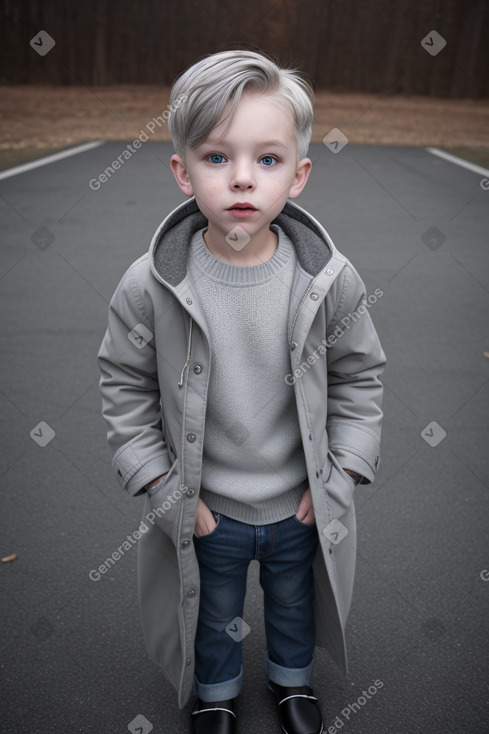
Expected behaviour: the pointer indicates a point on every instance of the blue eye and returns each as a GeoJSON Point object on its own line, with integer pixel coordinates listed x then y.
{"type": "Point", "coordinates": [216, 158]}
{"type": "Point", "coordinates": [268, 160]}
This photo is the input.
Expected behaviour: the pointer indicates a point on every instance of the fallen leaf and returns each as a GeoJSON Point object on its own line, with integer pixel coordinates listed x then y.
{"type": "Point", "coordinates": [7, 559]}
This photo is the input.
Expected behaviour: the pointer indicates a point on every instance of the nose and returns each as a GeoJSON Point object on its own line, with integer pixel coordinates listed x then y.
{"type": "Point", "coordinates": [242, 177]}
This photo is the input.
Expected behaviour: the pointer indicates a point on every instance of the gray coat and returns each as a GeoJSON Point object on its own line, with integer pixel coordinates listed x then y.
{"type": "Point", "coordinates": [156, 360]}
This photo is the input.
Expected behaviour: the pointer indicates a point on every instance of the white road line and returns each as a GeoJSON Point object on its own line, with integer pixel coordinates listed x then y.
{"type": "Point", "coordinates": [50, 159]}
{"type": "Point", "coordinates": [459, 161]}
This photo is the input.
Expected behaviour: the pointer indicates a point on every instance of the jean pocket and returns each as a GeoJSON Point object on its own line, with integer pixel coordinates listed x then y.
{"type": "Point", "coordinates": [304, 524]}
{"type": "Point", "coordinates": [217, 518]}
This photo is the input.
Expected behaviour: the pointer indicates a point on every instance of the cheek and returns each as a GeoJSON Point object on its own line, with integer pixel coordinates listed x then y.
{"type": "Point", "coordinates": [207, 197]}
{"type": "Point", "coordinates": [280, 187]}
{"type": "Point", "coordinates": [208, 188]}
{"type": "Point", "coordinates": [278, 178]}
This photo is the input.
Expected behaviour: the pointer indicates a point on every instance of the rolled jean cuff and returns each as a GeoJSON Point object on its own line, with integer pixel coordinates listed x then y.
{"type": "Point", "coordinates": [219, 691]}
{"type": "Point", "coordinates": [287, 676]}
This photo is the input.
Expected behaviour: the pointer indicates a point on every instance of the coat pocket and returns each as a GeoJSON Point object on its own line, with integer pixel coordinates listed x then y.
{"type": "Point", "coordinates": [165, 502]}
{"type": "Point", "coordinates": [339, 486]}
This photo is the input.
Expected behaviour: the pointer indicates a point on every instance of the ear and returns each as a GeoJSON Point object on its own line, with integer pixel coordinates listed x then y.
{"type": "Point", "coordinates": [180, 172]}
{"type": "Point", "coordinates": [300, 179]}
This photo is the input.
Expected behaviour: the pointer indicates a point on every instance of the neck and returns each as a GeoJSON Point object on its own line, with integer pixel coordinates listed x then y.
{"type": "Point", "coordinates": [259, 249]}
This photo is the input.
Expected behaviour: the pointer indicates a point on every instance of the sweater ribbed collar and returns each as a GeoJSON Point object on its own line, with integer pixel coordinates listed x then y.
{"type": "Point", "coordinates": [241, 275]}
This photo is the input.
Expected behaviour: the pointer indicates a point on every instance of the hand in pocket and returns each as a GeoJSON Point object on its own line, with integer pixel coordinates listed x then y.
{"type": "Point", "coordinates": [305, 511]}
{"type": "Point", "coordinates": [205, 522]}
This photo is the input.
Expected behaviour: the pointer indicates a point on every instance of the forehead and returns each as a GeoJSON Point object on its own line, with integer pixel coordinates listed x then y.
{"type": "Point", "coordinates": [257, 115]}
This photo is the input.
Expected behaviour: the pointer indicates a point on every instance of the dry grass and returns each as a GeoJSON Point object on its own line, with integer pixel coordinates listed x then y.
{"type": "Point", "coordinates": [35, 119]}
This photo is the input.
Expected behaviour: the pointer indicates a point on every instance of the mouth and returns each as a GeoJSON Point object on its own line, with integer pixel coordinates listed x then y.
{"type": "Point", "coordinates": [242, 209]}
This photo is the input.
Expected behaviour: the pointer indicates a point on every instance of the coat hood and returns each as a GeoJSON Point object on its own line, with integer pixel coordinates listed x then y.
{"type": "Point", "coordinates": [170, 244]}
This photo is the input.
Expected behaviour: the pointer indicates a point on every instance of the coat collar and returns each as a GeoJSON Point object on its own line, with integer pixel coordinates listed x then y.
{"type": "Point", "coordinates": [170, 244]}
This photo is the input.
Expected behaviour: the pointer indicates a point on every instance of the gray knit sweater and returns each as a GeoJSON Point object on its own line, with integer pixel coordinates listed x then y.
{"type": "Point", "coordinates": [254, 468]}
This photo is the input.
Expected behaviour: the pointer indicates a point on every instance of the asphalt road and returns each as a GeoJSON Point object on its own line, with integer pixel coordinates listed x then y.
{"type": "Point", "coordinates": [72, 656]}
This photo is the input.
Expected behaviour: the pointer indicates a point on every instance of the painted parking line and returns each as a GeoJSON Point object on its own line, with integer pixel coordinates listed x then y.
{"type": "Point", "coordinates": [50, 159]}
{"type": "Point", "coordinates": [459, 161]}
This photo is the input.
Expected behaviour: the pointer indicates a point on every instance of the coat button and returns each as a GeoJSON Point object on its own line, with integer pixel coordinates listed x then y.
{"type": "Point", "coordinates": [188, 661]}
{"type": "Point", "coordinates": [197, 369]}
{"type": "Point", "coordinates": [191, 437]}
{"type": "Point", "coordinates": [191, 593]}
{"type": "Point", "coordinates": [293, 346]}
{"type": "Point", "coordinates": [189, 301]}
{"type": "Point", "coordinates": [190, 492]}
{"type": "Point", "coordinates": [185, 543]}
{"type": "Point", "coordinates": [329, 271]}
{"type": "Point", "coordinates": [314, 296]}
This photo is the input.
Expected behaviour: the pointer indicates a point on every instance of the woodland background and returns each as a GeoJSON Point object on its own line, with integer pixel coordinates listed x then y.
{"type": "Point", "coordinates": [344, 45]}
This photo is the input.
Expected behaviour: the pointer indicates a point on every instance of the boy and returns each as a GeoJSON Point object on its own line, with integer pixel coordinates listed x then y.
{"type": "Point", "coordinates": [240, 385]}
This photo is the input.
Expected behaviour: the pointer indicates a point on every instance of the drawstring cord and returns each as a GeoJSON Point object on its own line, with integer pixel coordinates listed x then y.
{"type": "Point", "coordinates": [189, 347]}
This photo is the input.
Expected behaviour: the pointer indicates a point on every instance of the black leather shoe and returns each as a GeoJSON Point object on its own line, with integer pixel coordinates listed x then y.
{"type": "Point", "coordinates": [214, 718]}
{"type": "Point", "coordinates": [298, 709]}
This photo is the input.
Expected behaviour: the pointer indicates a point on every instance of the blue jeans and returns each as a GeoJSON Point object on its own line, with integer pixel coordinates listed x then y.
{"type": "Point", "coordinates": [286, 551]}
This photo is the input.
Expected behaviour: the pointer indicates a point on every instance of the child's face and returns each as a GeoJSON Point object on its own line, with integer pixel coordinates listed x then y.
{"type": "Point", "coordinates": [254, 163]}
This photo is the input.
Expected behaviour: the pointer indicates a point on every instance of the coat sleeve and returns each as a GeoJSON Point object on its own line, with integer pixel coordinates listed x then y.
{"type": "Point", "coordinates": [130, 391]}
{"type": "Point", "coordinates": [355, 362]}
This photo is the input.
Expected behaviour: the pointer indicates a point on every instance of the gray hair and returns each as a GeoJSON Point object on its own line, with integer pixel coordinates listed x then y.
{"type": "Point", "coordinates": [200, 95]}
